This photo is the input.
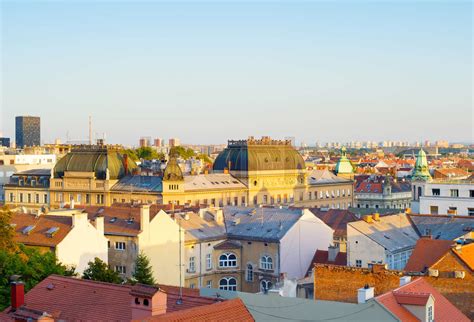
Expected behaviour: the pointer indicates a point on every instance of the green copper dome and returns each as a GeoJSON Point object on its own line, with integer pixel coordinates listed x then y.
{"type": "Point", "coordinates": [97, 160]}
{"type": "Point", "coordinates": [259, 155]}
{"type": "Point", "coordinates": [422, 171]}
{"type": "Point", "coordinates": [344, 165]}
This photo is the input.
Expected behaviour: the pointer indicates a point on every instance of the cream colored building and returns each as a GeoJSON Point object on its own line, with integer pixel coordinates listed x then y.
{"type": "Point", "coordinates": [73, 239]}
{"type": "Point", "coordinates": [246, 249]}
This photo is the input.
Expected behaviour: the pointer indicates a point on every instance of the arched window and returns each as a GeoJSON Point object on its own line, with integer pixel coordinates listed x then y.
{"type": "Point", "coordinates": [228, 260]}
{"type": "Point", "coordinates": [228, 284]}
{"type": "Point", "coordinates": [249, 273]}
{"type": "Point", "coordinates": [266, 262]}
{"type": "Point", "coordinates": [265, 285]}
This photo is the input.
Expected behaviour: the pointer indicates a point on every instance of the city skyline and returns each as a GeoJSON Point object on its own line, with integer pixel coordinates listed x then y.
{"type": "Point", "coordinates": [316, 71]}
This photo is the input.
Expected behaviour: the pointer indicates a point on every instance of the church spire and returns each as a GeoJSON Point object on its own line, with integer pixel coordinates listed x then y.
{"type": "Point", "coordinates": [422, 171]}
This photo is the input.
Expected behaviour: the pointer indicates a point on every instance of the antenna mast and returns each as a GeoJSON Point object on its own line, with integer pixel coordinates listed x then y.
{"type": "Point", "coordinates": [90, 130]}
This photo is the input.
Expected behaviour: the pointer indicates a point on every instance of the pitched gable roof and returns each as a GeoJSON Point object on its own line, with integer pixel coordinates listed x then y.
{"type": "Point", "coordinates": [415, 292]}
{"type": "Point", "coordinates": [40, 226]}
{"type": "Point", "coordinates": [337, 219]}
{"type": "Point", "coordinates": [466, 254]}
{"type": "Point", "coordinates": [230, 310]}
{"type": "Point", "coordinates": [426, 253]}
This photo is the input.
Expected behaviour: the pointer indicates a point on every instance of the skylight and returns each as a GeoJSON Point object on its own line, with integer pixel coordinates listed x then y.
{"type": "Point", "coordinates": [52, 231]}
{"type": "Point", "coordinates": [27, 230]}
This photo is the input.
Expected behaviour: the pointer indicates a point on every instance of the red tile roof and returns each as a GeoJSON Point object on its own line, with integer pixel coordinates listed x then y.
{"type": "Point", "coordinates": [74, 299]}
{"type": "Point", "coordinates": [38, 236]}
{"type": "Point", "coordinates": [411, 298]}
{"type": "Point", "coordinates": [426, 253]}
{"type": "Point", "coordinates": [337, 219]}
{"type": "Point", "coordinates": [321, 257]}
{"type": "Point", "coordinates": [466, 254]}
{"type": "Point", "coordinates": [443, 310]}
{"type": "Point", "coordinates": [231, 310]}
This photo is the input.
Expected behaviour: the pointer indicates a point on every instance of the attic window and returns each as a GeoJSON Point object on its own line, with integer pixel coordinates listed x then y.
{"type": "Point", "coordinates": [112, 220]}
{"type": "Point", "coordinates": [27, 230]}
{"type": "Point", "coordinates": [130, 221]}
{"type": "Point", "coordinates": [52, 231]}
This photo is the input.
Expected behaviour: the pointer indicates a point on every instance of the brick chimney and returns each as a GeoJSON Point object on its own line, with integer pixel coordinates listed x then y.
{"type": "Point", "coordinates": [146, 301]}
{"type": "Point", "coordinates": [17, 294]}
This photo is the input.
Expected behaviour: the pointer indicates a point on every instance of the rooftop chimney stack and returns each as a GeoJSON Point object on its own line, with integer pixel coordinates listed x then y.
{"type": "Point", "coordinates": [332, 253]}
{"type": "Point", "coordinates": [405, 280]}
{"type": "Point", "coordinates": [17, 294]}
{"type": "Point", "coordinates": [364, 294]}
{"type": "Point", "coordinates": [144, 217]}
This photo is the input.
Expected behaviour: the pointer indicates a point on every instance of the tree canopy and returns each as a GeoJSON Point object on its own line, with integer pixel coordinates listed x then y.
{"type": "Point", "coordinates": [182, 152]}
{"type": "Point", "coordinates": [98, 270]}
{"type": "Point", "coordinates": [143, 272]}
{"type": "Point", "coordinates": [7, 231]}
{"type": "Point", "coordinates": [32, 265]}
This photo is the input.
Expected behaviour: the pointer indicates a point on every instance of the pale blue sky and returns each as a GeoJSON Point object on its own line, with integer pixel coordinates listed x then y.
{"type": "Point", "coordinates": [206, 72]}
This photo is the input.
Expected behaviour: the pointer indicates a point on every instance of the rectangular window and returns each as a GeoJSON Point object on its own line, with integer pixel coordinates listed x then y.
{"type": "Point", "coordinates": [228, 201]}
{"type": "Point", "coordinates": [29, 198]}
{"type": "Point", "coordinates": [88, 198]}
{"type": "Point", "coordinates": [209, 284]}
{"type": "Point", "coordinates": [435, 192]}
{"type": "Point", "coordinates": [12, 197]}
{"type": "Point", "coordinates": [21, 197]}
{"type": "Point", "coordinates": [120, 269]}
{"type": "Point", "coordinates": [434, 210]}
{"type": "Point", "coordinates": [265, 199]}
{"type": "Point", "coordinates": [470, 211]}
{"type": "Point", "coordinates": [208, 261]}
{"type": "Point", "coordinates": [243, 200]}
{"type": "Point", "coordinates": [45, 198]}
{"type": "Point", "coordinates": [454, 193]}
{"type": "Point", "coordinates": [120, 245]}
{"type": "Point", "coordinates": [192, 267]}
{"type": "Point", "coordinates": [108, 243]}
{"type": "Point", "coordinates": [37, 198]}
{"type": "Point", "coordinates": [358, 263]}
{"type": "Point", "coordinates": [471, 193]}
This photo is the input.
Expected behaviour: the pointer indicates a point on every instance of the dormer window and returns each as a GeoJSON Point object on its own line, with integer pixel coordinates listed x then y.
{"type": "Point", "coordinates": [146, 302]}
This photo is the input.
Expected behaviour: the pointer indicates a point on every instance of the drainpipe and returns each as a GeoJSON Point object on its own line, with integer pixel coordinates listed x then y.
{"type": "Point", "coordinates": [200, 265]}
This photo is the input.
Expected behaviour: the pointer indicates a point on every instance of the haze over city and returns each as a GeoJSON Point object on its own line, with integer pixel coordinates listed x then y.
{"type": "Point", "coordinates": [206, 73]}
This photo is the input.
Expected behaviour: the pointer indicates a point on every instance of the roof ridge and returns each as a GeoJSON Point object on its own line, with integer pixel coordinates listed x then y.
{"type": "Point", "coordinates": [81, 281]}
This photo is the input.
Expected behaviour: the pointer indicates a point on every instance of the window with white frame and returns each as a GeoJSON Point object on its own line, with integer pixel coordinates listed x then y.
{"type": "Point", "coordinates": [209, 284]}
{"type": "Point", "coordinates": [119, 245]}
{"type": "Point", "coordinates": [266, 262]}
{"type": "Point", "coordinates": [228, 260]}
{"type": "Point", "coordinates": [358, 263]}
{"type": "Point", "coordinates": [208, 261]}
{"type": "Point", "coordinates": [228, 284]}
{"type": "Point", "coordinates": [265, 285]}
{"type": "Point", "coordinates": [192, 267]}
{"type": "Point", "coordinates": [120, 269]}
{"type": "Point", "coordinates": [249, 273]}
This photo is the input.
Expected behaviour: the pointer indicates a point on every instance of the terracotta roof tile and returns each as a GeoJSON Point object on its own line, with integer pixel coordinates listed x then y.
{"type": "Point", "coordinates": [231, 310]}
{"type": "Point", "coordinates": [38, 235]}
{"type": "Point", "coordinates": [337, 219]}
{"type": "Point", "coordinates": [444, 310]}
{"type": "Point", "coordinates": [466, 254]}
{"type": "Point", "coordinates": [426, 253]}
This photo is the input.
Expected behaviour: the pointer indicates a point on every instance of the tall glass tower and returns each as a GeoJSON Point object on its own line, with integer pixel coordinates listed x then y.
{"type": "Point", "coordinates": [27, 131]}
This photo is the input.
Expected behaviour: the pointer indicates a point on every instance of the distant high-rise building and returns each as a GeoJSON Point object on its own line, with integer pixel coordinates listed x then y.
{"type": "Point", "coordinates": [442, 144]}
{"type": "Point", "coordinates": [5, 142]}
{"type": "Point", "coordinates": [174, 142]}
{"type": "Point", "coordinates": [158, 142]}
{"type": "Point", "coordinates": [27, 131]}
{"type": "Point", "coordinates": [145, 141]}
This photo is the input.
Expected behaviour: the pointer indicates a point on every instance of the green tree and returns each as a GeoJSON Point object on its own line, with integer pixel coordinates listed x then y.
{"type": "Point", "coordinates": [182, 152]}
{"type": "Point", "coordinates": [205, 158]}
{"type": "Point", "coordinates": [131, 154]}
{"type": "Point", "coordinates": [32, 265]}
{"type": "Point", "coordinates": [143, 272]}
{"type": "Point", "coordinates": [147, 153]}
{"type": "Point", "coordinates": [7, 231]}
{"type": "Point", "coordinates": [100, 271]}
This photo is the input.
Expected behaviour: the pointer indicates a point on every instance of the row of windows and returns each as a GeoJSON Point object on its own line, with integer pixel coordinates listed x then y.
{"type": "Point", "coordinates": [29, 198]}
{"type": "Point", "coordinates": [221, 202]}
{"type": "Point", "coordinates": [434, 210]}
{"type": "Point", "coordinates": [400, 206]}
{"type": "Point", "coordinates": [230, 284]}
{"type": "Point", "coordinates": [228, 260]}
{"type": "Point", "coordinates": [99, 198]}
{"type": "Point", "coordinates": [454, 193]}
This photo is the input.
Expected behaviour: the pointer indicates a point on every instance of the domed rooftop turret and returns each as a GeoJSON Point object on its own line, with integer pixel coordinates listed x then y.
{"type": "Point", "coordinates": [422, 171]}
{"type": "Point", "coordinates": [344, 165]}
{"type": "Point", "coordinates": [99, 160]}
{"type": "Point", "coordinates": [173, 171]}
{"type": "Point", "coordinates": [259, 155]}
